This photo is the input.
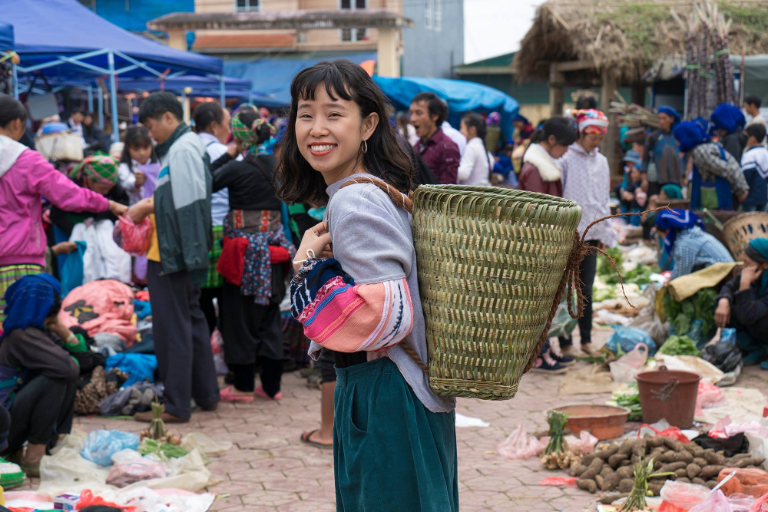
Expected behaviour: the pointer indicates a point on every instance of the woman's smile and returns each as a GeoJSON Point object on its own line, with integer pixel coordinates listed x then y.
{"type": "Point", "coordinates": [321, 149]}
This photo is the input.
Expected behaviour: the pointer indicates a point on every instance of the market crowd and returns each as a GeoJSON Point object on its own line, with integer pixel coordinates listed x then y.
{"type": "Point", "coordinates": [229, 213]}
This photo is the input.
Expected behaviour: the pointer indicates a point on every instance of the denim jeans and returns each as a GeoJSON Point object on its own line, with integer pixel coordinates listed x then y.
{"type": "Point", "coordinates": [753, 207]}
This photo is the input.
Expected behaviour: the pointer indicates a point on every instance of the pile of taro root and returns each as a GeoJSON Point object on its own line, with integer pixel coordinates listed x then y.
{"type": "Point", "coordinates": [611, 467]}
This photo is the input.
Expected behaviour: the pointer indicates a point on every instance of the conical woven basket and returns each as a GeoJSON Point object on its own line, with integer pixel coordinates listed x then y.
{"type": "Point", "coordinates": [490, 262]}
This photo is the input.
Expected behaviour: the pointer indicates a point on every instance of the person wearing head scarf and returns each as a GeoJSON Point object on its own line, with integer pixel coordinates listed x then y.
{"type": "Point", "coordinates": [96, 173]}
{"type": "Point", "coordinates": [727, 123]}
{"type": "Point", "coordinates": [661, 156]}
{"type": "Point", "coordinates": [35, 350]}
{"type": "Point", "coordinates": [253, 261]}
{"type": "Point", "coordinates": [586, 179]}
{"type": "Point", "coordinates": [493, 134]}
{"type": "Point", "coordinates": [632, 197]}
{"type": "Point", "coordinates": [689, 246]}
{"type": "Point", "coordinates": [743, 303]}
{"type": "Point", "coordinates": [715, 176]}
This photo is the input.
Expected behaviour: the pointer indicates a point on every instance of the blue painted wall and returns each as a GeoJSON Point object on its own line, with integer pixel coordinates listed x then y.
{"type": "Point", "coordinates": [134, 14]}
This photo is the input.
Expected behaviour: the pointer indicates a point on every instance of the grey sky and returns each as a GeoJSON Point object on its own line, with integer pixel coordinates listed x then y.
{"type": "Point", "coordinates": [494, 27]}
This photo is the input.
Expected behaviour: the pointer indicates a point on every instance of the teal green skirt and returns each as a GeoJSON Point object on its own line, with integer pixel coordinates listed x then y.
{"type": "Point", "coordinates": [390, 452]}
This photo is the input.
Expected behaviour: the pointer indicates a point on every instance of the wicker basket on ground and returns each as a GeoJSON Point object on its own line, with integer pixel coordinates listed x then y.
{"type": "Point", "coordinates": [490, 262]}
{"type": "Point", "coordinates": [742, 229]}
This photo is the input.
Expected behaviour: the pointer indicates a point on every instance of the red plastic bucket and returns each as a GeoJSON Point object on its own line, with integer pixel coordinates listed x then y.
{"type": "Point", "coordinates": [668, 394]}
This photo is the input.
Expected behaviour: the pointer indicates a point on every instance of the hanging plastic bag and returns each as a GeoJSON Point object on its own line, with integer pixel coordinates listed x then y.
{"type": "Point", "coordinates": [562, 324]}
{"type": "Point", "coordinates": [628, 338]}
{"type": "Point", "coordinates": [717, 502]}
{"type": "Point", "coordinates": [100, 445]}
{"type": "Point", "coordinates": [628, 366]}
{"type": "Point", "coordinates": [683, 496]}
{"type": "Point", "coordinates": [133, 238]}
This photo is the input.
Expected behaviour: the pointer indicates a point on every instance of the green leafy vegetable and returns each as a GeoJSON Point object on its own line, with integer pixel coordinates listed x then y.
{"type": "Point", "coordinates": [601, 294]}
{"type": "Point", "coordinates": [171, 451]}
{"type": "Point", "coordinates": [557, 421]}
{"type": "Point", "coordinates": [700, 306]}
{"type": "Point", "coordinates": [679, 346]}
{"type": "Point", "coordinates": [631, 401]}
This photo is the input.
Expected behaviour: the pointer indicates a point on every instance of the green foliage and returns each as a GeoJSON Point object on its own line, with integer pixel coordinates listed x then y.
{"type": "Point", "coordinates": [557, 421]}
{"type": "Point", "coordinates": [751, 19]}
{"type": "Point", "coordinates": [700, 306]}
{"type": "Point", "coordinates": [639, 22]}
{"type": "Point", "coordinates": [601, 294]}
{"type": "Point", "coordinates": [679, 346]}
{"type": "Point", "coordinates": [631, 401]}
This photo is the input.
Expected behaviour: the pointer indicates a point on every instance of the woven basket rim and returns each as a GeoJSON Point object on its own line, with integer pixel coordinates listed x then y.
{"type": "Point", "coordinates": [495, 193]}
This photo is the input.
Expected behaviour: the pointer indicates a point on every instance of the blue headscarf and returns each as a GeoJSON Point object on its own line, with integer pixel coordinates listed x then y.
{"type": "Point", "coordinates": [689, 135]}
{"type": "Point", "coordinates": [674, 221]}
{"type": "Point", "coordinates": [728, 117]}
{"type": "Point", "coordinates": [701, 122]}
{"type": "Point", "coordinates": [671, 112]}
{"type": "Point", "coordinates": [29, 301]}
{"type": "Point", "coordinates": [518, 117]}
{"type": "Point", "coordinates": [757, 250]}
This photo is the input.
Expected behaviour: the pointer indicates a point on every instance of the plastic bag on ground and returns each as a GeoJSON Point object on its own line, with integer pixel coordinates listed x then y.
{"type": "Point", "coordinates": [716, 502]}
{"type": "Point", "coordinates": [683, 496]}
{"type": "Point", "coordinates": [126, 473]}
{"type": "Point", "coordinates": [709, 396]}
{"type": "Point", "coordinates": [562, 324]}
{"type": "Point", "coordinates": [724, 355]}
{"type": "Point", "coordinates": [583, 444]}
{"type": "Point", "coordinates": [87, 499]}
{"type": "Point", "coordinates": [203, 443]}
{"type": "Point", "coordinates": [673, 432]}
{"type": "Point", "coordinates": [132, 238]}
{"type": "Point", "coordinates": [100, 445]}
{"type": "Point", "coordinates": [750, 481]}
{"type": "Point", "coordinates": [648, 320]}
{"type": "Point", "coordinates": [761, 505]}
{"type": "Point", "coordinates": [758, 447]}
{"type": "Point", "coordinates": [626, 368]}
{"type": "Point", "coordinates": [520, 445]}
{"type": "Point", "coordinates": [628, 338]}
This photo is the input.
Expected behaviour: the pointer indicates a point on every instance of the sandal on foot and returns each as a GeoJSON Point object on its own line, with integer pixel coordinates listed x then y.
{"type": "Point", "coordinates": [227, 395]}
{"type": "Point", "coordinates": [306, 438]}
{"type": "Point", "coordinates": [263, 394]}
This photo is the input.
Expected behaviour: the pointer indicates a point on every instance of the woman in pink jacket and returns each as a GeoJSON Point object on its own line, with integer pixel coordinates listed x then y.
{"type": "Point", "coordinates": [25, 178]}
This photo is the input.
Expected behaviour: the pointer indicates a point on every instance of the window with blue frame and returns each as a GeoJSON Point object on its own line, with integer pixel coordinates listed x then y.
{"type": "Point", "coordinates": [247, 5]}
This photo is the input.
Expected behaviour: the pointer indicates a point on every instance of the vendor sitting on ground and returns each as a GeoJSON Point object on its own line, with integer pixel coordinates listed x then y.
{"type": "Point", "coordinates": [632, 197]}
{"type": "Point", "coordinates": [35, 353]}
{"type": "Point", "coordinates": [686, 242]}
{"type": "Point", "coordinates": [743, 303]}
{"type": "Point", "coordinates": [716, 177]}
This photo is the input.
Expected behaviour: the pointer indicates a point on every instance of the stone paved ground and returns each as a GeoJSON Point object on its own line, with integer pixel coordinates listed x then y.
{"type": "Point", "coordinates": [270, 470]}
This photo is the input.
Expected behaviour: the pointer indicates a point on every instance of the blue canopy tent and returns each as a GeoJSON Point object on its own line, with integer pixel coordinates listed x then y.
{"type": "Point", "coordinates": [63, 39]}
{"type": "Point", "coordinates": [460, 95]}
{"type": "Point", "coordinates": [272, 77]}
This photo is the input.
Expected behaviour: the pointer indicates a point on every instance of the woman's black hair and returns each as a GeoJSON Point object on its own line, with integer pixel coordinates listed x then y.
{"type": "Point", "coordinates": [56, 307]}
{"type": "Point", "coordinates": [207, 113]}
{"type": "Point", "coordinates": [297, 181]}
{"type": "Point", "coordinates": [476, 120]}
{"type": "Point", "coordinates": [11, 109]}
{"type": "Point", "coordinates": [247, 116]}
{"type": "Point", "coordinates": [586, 102]}
{"type": "Point", "coordinates": [559, 127]}
{"type": "Point", "coordinates": [136, 136]}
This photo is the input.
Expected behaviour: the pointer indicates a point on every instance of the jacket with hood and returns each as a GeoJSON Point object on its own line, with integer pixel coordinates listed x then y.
{"type": "Point", "coordinates": [25, 178]}
{"type": "Point", "coordinates": [540, 173]}
{"type": "Point", "coordinates": [183, 204]}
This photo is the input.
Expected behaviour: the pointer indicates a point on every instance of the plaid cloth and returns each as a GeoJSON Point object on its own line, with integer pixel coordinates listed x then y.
{"type": "Point", "coordinates": [247, 134]}
{"type": "Point", "coordinates": [9, 275]}
{"type": "Point", "coordinates": [295, 344]}
{"type": "Point", "coordinates": [215, 280]}
{"type": "Point", "coordinates": [709, 159]}
{"type": "Point", "coordinates": [102, 169]}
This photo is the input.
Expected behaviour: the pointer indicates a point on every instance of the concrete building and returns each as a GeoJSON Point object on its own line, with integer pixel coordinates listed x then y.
{"type": "Point", "coordinates": [435, 44]}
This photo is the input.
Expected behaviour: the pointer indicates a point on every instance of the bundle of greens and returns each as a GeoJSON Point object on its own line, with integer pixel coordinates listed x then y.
{"type": "Point", "coordinates": [639, 275]}
{"type": "Point", "coordinates": [636, 499]}
{"type": "Point", "coordinates": [701, 306]}
{"type": "Point", "coordinates": [556, 454]}
{"type": "Point", "coordinates": [629, 400]}
{"type": "Point", "coordinates": [171, 451]}
{"type": "Point", "coordinates": [601, 294]}
{"type": "Point", "coordinates": [679, 346]}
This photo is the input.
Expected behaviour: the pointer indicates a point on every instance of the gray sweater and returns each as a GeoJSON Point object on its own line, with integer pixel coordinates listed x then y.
{"type": "Point", "coordinates": [373, 241]}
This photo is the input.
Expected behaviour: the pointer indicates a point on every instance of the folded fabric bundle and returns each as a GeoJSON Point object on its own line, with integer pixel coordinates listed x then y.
{"type": "Point", "coordinates": [139, 367]}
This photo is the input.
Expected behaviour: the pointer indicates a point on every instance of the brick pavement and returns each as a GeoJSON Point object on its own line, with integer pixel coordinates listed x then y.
{"type": "Point", "coordinates": [270, 470]}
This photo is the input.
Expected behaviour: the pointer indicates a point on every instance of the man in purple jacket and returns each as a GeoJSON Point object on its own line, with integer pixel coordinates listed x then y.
{"type": "Point", "coordinates": [439, 152]}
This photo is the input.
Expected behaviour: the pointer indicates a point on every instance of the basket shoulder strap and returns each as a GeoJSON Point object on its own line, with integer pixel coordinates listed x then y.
{"type": "Point", "coordinates": [405, 202]}
{"type": "Point", "coordinates": [397, 197]}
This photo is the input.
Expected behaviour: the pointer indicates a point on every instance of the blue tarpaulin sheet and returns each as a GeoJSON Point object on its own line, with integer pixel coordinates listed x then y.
{"type": "Point", "coordinates": [272, 77]}
{"type": "Point", "coordinates": [6, 36]}
{"type": "Point", "coordinates": [460, 95]}
{"type": "Point", "coordinates": [47, 29]}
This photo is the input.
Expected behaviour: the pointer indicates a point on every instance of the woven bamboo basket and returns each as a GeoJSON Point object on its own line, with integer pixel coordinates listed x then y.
{"type": "Point", "coordinates": [490, 262]}
{"type": "Point", "coordinates": [741, 230]}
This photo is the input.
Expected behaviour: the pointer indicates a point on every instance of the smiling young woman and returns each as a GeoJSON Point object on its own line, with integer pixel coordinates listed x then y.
{"type": "Point", "coordinates": [394, 440]}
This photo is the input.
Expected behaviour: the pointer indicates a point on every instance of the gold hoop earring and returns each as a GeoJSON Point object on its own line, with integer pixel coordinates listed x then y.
{"type": "Point", "coordinates": [365, 146]}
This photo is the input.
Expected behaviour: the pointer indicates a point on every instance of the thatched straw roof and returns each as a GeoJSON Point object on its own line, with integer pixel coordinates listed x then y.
{"type": "Point", "coordinates": [627, 36]}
